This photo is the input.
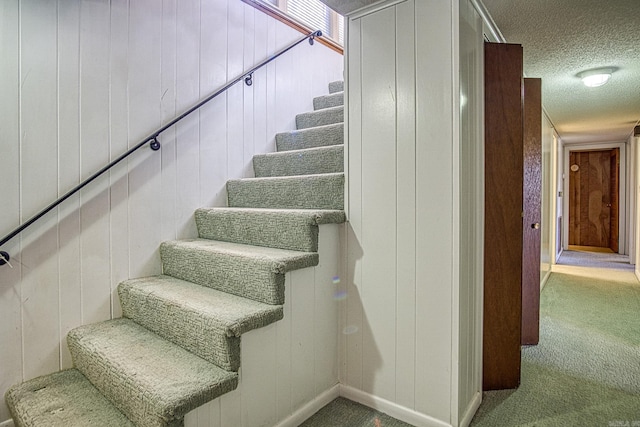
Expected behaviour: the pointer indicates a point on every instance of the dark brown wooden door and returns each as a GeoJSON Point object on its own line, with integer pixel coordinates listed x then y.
{"type": "Point", "coordinates": [503, 216]}
{"type": "Point", "coordinates": [593, 198]}
{"type": "Point", "coordinates": [532, 187]}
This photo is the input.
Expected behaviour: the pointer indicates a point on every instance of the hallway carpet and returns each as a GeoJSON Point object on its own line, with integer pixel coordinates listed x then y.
{"type": "Point", "coordinates": [586, 369]}
{"type": "Point", "coordinates": [589, 258]}
{"type": "Point", "coordinates": [345, 413]}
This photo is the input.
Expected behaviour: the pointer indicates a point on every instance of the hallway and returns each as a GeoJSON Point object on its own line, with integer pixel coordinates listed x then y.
{"type": "Point", "coordinates": [586, 370]}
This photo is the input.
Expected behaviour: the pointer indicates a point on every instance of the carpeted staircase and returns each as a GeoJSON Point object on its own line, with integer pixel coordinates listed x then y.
{"type": "Point", "coordinates": [177, 345]}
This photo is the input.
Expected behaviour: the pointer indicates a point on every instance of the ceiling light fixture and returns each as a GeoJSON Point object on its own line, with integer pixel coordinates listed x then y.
{"type": "Point", "coordinates": [596, 77]}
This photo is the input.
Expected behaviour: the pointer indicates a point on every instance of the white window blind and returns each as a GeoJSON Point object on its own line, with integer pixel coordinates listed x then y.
{"type": "Point", "coordinates": [314, 14]}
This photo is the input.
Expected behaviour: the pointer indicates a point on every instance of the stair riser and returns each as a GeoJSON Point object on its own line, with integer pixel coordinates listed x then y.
{"type": "Point", "coordinates": [328, 101]}
{"type": "Point", "coordinates": [255, 279]}
{"type": "Point", "coordinates": [310, 138]}
{"type": "Point", "coordinates": [312, 192]}
{"type": "Point", "coordinates": [320, 118]}
{"type": "Point", "coordinates": [336, 87]}
{"type": "Point", "coordinates": [274, 231]}
{"type": "Point", "coordinates": [186, 329]}
{"type": "Point", "coordinates": [303, 162]}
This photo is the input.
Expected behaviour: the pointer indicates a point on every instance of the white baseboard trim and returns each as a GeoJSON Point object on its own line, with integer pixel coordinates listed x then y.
{"type": "Point", "coordinates": [8, 423]}
{"type": "Point", "coordinates": [392, 409]}
{"type": "Point", "coordinates": [302, 414]}
{"type": "Point", "coordinates": [545, 279]}
{"type": "Point", "coordinates": [637, 273]}
{"type": "Point", "coordinates": [471, 410]}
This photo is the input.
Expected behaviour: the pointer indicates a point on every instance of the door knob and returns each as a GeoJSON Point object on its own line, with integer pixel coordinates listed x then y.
{"type": "Point", "coordinates": [535, 226]}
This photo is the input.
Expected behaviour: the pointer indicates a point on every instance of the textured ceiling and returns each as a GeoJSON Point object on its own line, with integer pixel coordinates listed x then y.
{"type": "Point", "coordinates": [560, 38]}
{"type": "Point", "coordinates": [345, 7]}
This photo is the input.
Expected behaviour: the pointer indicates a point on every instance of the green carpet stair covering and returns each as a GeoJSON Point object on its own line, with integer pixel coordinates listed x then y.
{"type": "Point", "coordinates": [177, 345]}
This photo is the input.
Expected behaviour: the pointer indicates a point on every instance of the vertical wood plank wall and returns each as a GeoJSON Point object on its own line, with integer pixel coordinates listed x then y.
{"type": "Point", "coordinates": [81, 81]}
{"type": "Point", "coordinates": [411, 324]}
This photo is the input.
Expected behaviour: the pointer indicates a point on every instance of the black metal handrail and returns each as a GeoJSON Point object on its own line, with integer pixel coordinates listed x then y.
{"type": "Point", "coordinates": [152, 139]}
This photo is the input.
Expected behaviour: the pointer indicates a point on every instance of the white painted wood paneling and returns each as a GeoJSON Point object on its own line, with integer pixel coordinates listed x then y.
{"type": "Point", "coordinates": [352, 328]}
{"type": "Point", "coordinates": [11, 329]}
{"type": "Point", "coordinates": [548, 199]}
{"type": "Point", "coordinates": [471, 246]}
{"type": "Point", "coordinates": [38, 182]}
{"type": "Point", "coordinates": [378, 171]}
{"type": "Point", "coordinates": [414, 254]}
{"type": "Point", "coordinates": [94, 153]}
{"type": "Point", "coordinates": [437, 223]}
{"type": "Point", "coordinates": [82, 81]}
{"type": "Point", "coordinates": [120, 250]}
{"type": "Point", "coordinates": [69, 167]}
{"type": "Point", "coordinates": [406, 207]}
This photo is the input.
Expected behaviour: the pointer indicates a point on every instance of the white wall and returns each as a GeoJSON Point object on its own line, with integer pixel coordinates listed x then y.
{"type": "Point", "coordinates": [413, 312]}
{"type": "Point", "coordinates": [81, 81]}
{"type": "Point", "coordinates": [470, 303]}
{"type": "Point", "coordinates": [632, 179]}
{"type": "Point", "coordinates": [548, 196]}
{"type": "Point", "coordinates": [559, 189]}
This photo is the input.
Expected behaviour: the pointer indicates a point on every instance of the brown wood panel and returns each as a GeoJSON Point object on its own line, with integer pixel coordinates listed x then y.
{"type": "Point", "coordinates": [503, 216]}
{"type": "Point", "coordinates": [593, 198]}
{"type": "Point", "coordinates": [532, 205]}
{"type": "Point", "coordinates": [615, 207]}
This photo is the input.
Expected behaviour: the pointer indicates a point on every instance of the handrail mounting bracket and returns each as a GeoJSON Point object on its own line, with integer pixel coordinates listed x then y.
{"type": "Point", "coordinates": [4, 258]}
{"type": "Point", "coordinates": [154, 144]}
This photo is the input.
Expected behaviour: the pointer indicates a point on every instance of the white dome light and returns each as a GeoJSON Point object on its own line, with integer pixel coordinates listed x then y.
{"type": "Point", "coordinates": [596, 77]}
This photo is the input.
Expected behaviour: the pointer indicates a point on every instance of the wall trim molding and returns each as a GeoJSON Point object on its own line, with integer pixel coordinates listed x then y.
{"type": "Point", "coordinates": [489, 23]}
{"type": "Point", "coordinates": [545, 279]}
{"type": "Point", "coordinates": [471, 410]}
{"type": "Point", "coordinates": [372, 8]}
{"type": "Point", "coordinates": [8, 423]}
{"type": "Point", "coordinates": [306, 411]}
{"type": "Point", "coordinates": [390, 408]}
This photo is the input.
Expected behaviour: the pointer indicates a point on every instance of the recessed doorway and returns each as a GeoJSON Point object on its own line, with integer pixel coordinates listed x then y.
{"type": "Point", "coordinates": [594, 202]}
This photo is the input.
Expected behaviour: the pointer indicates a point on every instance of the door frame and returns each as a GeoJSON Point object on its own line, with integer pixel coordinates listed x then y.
{"type": "Point", "coordinates": [622, 189]}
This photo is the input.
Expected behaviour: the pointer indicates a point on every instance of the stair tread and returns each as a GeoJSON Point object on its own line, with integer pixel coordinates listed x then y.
{"type": "Point", "coordinates": [288, 178]}
{"type": "Point", "coordinates": [63, 399]}
{"type": "Point", "coordinates": [326, 135]}
{"type": "Point", "coordinates": [336, 147]}
{"type": "Point", "coordinates": [321, 117]}
{"type": "Point", "coordinates": [233, 315]}
{"type": "Point", "coordinates": [294, 229]}
{"type": "Point", "coordinates": [313, 216]}
{"type": "Point", "coordinates": [327, 101]}
{"type": "Point", "coordinates": [337, 86]}
{"type": "Point", "coordinates": [307, 161]}
{"type": "Point", "coordinates": [153, 381]}
{"type": "Point", "coordinates": [317, 191]}
{"type": "Point", "coordinates": [254, 272]}
{"type": "Point", "coordinates": [278, 260]}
